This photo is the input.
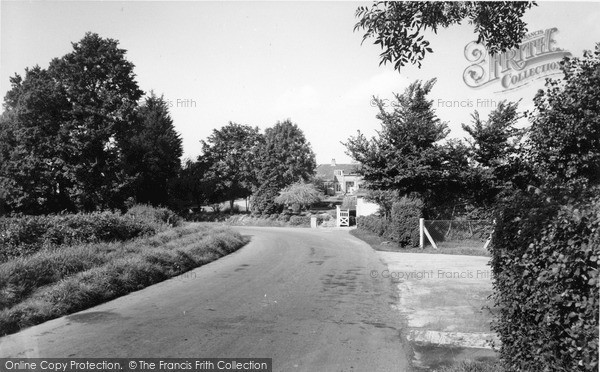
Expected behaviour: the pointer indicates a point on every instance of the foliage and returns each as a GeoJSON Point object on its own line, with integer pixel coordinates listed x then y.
{"type": "Point", "coordinates": [72, 137]}
{"type": "Point", "coordinates": [58, 282]}
{"type": "Point", "coordinates": [545, 263]}
{"type": "Point", "coordinates": [285, 156]}
{"type": "Point", "coordinates": [496, 155]}
{"type": "Point", "coordinates": [153, 152]}
{"type": "Point", "coordinates": [373, 224]}
{"type": "Point", "coordinates": [152, 214]}
{"type": "Point", "coordinates": [546, 245]}
{"type": "Point", "coordinates": [193, 186]}
{"type": "Point", "coordinates": [300, 193]}
{"type": "Point", "coordinates": [404, 222]}
{"type": "Point", "coordinates": [401, 227]}
{"type": "Point", "coordinates": [99, 84]}
{"type": "Point", "coordinates": [565, 130]}
{"type": "Point", "coordinates": [35, 172]}
{"type": "Point", "coordinates": [400, 27]}
{"type": "Point", "coordinates": [263, 200]}
{"type": "Point", "coordinates": [411, 135]}
{"type": "Point", "coordinates": [21, 236]}
{"type": "Point", "coordinates": [300, 221]}
{"type": "Point", "coordinates": [229, 159]}
{"type": "Point", "coordinates": [384, 198]}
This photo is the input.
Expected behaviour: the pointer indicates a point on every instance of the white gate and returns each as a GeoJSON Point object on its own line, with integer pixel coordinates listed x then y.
{"type": "Point", "coordinates": [343, 216]}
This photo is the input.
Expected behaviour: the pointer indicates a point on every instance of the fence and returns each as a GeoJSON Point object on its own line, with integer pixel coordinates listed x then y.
{"type": "Point", "coordinates": [455, 233]}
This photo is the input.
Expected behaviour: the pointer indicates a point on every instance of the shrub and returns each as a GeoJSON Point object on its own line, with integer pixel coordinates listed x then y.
{"type": "Point", "coordinates": [20, 236]}
{"type": "Point", "coordinates": [263, 201]}
{"type": "Point", "coordinates": [402, 226]}
{"type": "Point", "coordinates": [545, 261]}
{"type": "Point", "coordinates": [299, 221]}
{"type": "Point", "coordinates": [284, 217]}
{"type": "Point", "coordinates": [154, 214]}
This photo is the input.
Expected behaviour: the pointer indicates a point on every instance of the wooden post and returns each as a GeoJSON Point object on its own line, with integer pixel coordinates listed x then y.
{"type": "Point", "coordinates": [421, 233]}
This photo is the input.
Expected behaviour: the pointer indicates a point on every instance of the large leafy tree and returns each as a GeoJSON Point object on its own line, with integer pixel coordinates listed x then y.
{"type": "Point", "coordinates": [153, 152]}
{"type": "Point", "coordinates": [229, 157]}
{"type": "Point", "coordinates": [65, 129]}
{"type": "Point", "coordinates": [400, 27]}
{"type": "Point", "coordinates": [100, 85]}
{"type": "Point", "coordinates": [35, 173]}
{"type": "Point", "coordinates": [285, 157]}
{"type": "Point", "coordinates": [408, 154]}
{"type": "Point", "coordinates": [405, 154]}
{"type": "Point", "coordinates": [495, 148]}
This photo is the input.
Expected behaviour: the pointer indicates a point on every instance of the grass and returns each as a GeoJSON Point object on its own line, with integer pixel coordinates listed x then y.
{"type": "Point", "coordinates": [455, 248]}
{"type": "Point", "coordinates": [473, 366]}
{"type": "Point", "coordinates": [53, 283]}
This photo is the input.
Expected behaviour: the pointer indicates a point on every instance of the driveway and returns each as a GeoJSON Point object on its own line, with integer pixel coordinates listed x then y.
{"type": "Point", "coordinates": [305, 298]}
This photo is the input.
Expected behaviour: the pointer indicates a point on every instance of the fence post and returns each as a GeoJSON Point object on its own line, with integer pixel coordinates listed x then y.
{"type": "Point", "coordinates": [421, 237]}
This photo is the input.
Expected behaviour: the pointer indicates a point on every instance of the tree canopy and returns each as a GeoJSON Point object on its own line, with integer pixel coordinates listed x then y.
{"type": "Point", "coordinates": [229, 158]}
{"type": "Point", "coordinates": [74, 138]}
{"type": "Point", "coordinates": [400, 27]}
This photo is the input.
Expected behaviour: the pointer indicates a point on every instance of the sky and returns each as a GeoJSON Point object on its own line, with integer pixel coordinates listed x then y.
{"type": "Point", "coordinates": [257, 63]}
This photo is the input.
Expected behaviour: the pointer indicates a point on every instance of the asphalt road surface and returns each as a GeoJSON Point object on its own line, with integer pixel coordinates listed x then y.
{"type": "Point", "coordinates": [305, 298]}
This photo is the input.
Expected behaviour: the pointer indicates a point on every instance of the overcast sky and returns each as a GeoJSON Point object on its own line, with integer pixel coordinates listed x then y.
{"type": "Point", "coordinates": [259, 62]}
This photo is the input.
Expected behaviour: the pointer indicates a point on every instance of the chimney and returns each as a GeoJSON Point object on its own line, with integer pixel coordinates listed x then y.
{"type": "Point", "coordinates": [333, 163]}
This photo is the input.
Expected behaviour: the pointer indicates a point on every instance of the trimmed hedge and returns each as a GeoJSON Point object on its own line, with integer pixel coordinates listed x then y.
{"type": "Point", "coordinates": [545, 261]}
{"type": "Point", "coordinates": [403, 225]}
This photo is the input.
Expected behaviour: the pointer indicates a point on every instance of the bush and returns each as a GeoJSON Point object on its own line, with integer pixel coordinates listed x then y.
{"type": "Point", "coordinates": [263, 201]}
{"type": "Point", "coordinates": [154, 214]}
{"type": "Point", "coordinates": [545, 262]}
{"type": "Point", "coordinates": [25, 235]}
{"type": "Point", "coordinates": [403, 225]}
{"type": "Point", "coordinates": [300, 221]}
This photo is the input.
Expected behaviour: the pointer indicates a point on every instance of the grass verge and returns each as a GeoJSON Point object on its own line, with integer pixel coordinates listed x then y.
{"type": "Point", "coordinates": [473, 366]}
{"type": "Point", "coordinates": [380, 244]}
{"type": "Point", "coordinates": [53, 283]}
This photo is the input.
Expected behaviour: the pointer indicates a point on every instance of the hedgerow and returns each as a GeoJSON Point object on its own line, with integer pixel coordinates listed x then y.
{"type": "Point", "coordinates": [403, 225]}
{"type": "Point", "coordinates": [21, 236]}
{"type": "Point", "coordinates": [545, 262]}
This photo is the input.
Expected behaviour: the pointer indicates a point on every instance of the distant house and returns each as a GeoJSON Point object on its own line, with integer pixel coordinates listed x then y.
{"type": "Point", "coordinates": [340, 179]}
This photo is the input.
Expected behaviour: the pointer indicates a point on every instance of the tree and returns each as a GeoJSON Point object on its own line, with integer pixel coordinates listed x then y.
{"type": "Point", "coordinates": [299, 195]}
{"type": "Point", "coordinates": [495, 152]}
{"type": "Point", "coordinates": [153, 152]}
{"type": "Point", "coordinates": [405, 155]}
{"type": "Point", "coordinates": [100, 86]}
{"type": "Point", "coordinates": [565, 130]}
{"type": "Point", "coordinates": [399, 27]}
{"type": "Point", "coordinates": [35, 174]}
{"type": "Point", "coordinates": [284, 157]}
{"type": "Point", "coordinates": [229, 157]}
{"type": "Point", "coordinates": [192, 186]}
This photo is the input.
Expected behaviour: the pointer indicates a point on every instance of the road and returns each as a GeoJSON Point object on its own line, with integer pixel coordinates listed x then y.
{"type": "Point", "coordinates": [303, 297]}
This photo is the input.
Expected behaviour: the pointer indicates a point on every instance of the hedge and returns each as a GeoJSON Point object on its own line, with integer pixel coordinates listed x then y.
{"type": "Point", "coordinates": [402, 226]}
{"type": "Point", "coordinates": [545, 259]}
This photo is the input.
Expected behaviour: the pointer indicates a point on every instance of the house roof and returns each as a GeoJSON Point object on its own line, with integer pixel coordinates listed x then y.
{"type": "Point", "coordinates": [325, 171]}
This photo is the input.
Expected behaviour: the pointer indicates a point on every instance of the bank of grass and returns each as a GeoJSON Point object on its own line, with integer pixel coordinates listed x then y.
{"type": "Point", "coordinates": [380, 244]}
{"type": "Point", "coordinates": [473, 366]}
{"type": "Point", "coordinates": [52, 283]}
